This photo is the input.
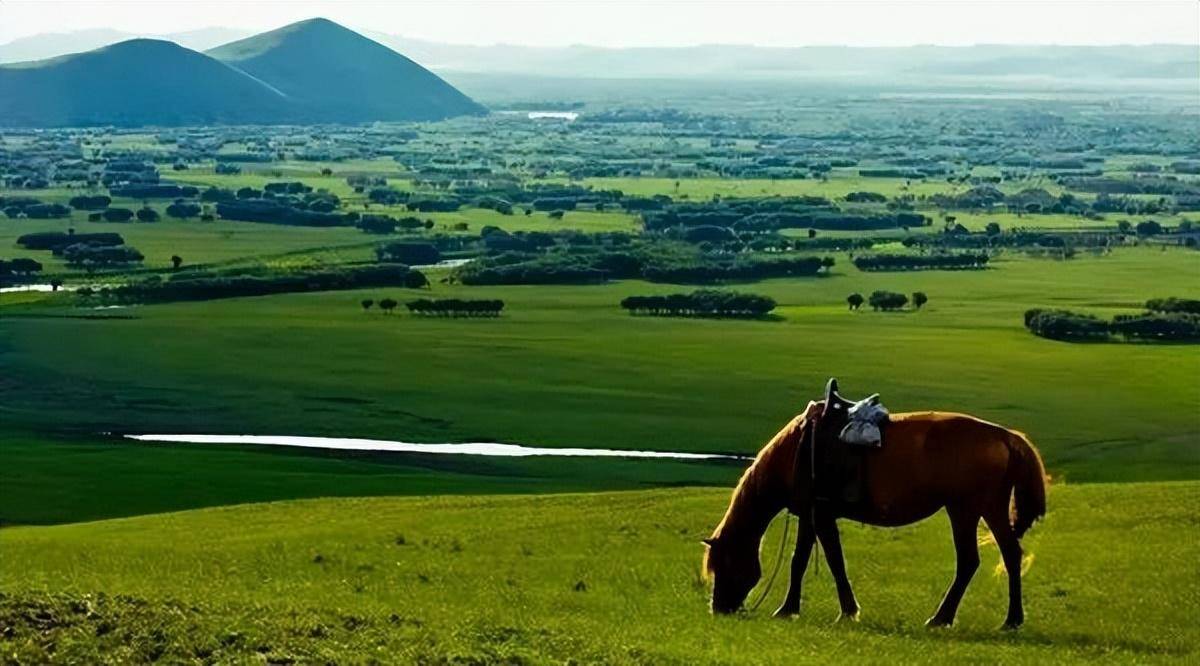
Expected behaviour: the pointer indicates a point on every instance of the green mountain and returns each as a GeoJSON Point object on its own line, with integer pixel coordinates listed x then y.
{"type": "Point", "coordinates": [136, 82]}
{"type": "Point", "coordinates": [336, 75]}
{"type": "Point", "coordinates": [314, 71]}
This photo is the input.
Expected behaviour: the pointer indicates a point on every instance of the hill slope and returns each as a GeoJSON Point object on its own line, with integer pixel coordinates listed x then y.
{"type": "Point", "coordinates": [136, 82]}
{"type": "Point", "coordinates": [605, 578]}
{"type": "Point", "coordinates": [337, 75]}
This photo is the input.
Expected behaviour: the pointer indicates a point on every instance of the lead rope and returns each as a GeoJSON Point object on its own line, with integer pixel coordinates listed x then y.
{"type": "Point", "coordinates": [787, 523]}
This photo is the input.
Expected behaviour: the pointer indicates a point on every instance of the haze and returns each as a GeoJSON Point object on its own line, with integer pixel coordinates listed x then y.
{"type": "Point", "coordinates": [624, 24]}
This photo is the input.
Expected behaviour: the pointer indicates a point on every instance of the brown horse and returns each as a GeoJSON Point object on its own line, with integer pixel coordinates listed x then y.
{"type": "Point", "coordinates": [929, 460]}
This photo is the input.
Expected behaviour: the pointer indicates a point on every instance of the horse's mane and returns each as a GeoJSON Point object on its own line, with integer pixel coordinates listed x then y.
{"type": "Point", "coordinates": [751, 486]}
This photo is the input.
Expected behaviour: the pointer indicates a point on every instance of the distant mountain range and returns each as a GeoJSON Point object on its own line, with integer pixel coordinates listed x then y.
{"type": "Point", "coordinates": [312, 71]}
{"type": "Point", "coordinates": [1167, 61]}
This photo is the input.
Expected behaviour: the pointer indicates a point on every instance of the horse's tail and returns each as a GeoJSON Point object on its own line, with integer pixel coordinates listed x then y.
{"type": "Point", "coordinates": [1029, 483]}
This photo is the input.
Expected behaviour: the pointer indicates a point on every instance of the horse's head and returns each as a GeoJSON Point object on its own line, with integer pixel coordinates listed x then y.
{"type": "Point", "coordinates": [734, 569]}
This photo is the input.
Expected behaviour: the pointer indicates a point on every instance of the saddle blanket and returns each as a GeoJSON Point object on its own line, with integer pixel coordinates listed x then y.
{"type": "Point", "coordinates": [865, 418]}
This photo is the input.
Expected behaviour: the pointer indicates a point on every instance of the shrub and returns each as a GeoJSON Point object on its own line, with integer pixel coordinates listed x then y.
{"type": "Point", "coordinates": [887, 300]}
{"type": "Point", "coordinates": [100, 256]}
{"type": "Point", "coordinates": [1185, 305]}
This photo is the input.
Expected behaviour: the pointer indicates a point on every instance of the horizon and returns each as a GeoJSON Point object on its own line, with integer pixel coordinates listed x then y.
{"type": "Point", "coordinates": [600, 25]}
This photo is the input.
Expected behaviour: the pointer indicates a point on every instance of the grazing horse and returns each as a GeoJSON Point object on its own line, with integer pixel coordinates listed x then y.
{"type": "Point", "coordinates": [929, 460]}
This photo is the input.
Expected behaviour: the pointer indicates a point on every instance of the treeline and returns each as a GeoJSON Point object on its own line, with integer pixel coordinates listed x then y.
{"type": "Point", "coordinates": [273, 212]}
{"type": "Point", "coordinates": [1163, 326]}
{"type": "Point", "coordinates": [19, 269]}
{"type": "Point", "coordinates": [455, 307]}
{"type": "Point", "coordinates": [31, 208]}
{"type": "Point", "coordinates": [701, 303]}
{"type": "Point", "coordinates": [920, 262]}
{"type": "Point", "coordinates": [774, 213]}
{"type": "Point", "coordinates": [209, 286]}
{"type": "Point", "coordinates": [563, 266]}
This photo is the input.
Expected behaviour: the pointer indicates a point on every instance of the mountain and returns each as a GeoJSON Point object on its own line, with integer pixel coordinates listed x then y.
{"type": "Point", "coordinates": [136, 82]}
{"type": "Point", "coordinates": [334, 74]}
{"type": "Point", "coordinates": [50, 45]}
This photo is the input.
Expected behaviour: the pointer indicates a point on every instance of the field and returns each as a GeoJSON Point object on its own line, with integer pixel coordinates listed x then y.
{"type": "Point", "coordinates": [548, 579]}
{"type": "Point", "coordinates": [119, 551]}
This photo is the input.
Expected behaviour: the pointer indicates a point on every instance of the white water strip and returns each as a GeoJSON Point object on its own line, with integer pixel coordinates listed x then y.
{"type": "Point", "coordinates": [467, 449]}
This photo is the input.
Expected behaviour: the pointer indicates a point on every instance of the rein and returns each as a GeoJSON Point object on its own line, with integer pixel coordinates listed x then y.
{"type": "Point", "coordinates": [787, 517]}
{"type": "Point", "coordinates": [787, 523]}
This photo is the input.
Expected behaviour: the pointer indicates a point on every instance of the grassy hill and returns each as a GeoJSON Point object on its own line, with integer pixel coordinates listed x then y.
{"type": "Point", "coordinates": [314, 71]}
{"type": "Point", "coordinates": [136, 82]}
{"type": "Point", "coordinates": [336, 75]}
{"type": "Point", "coordinates": [608, 578]}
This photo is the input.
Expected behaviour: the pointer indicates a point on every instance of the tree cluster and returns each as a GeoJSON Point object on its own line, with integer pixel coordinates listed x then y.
{"type": "Point", "coordinates": [919, 262]}
{"type": "Point", "coordinates": [701, 303]}
{"type": "Point", "coordinates": [455, 307]}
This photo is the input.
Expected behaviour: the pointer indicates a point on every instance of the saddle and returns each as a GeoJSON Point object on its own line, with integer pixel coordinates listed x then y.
{"type": "Point", "coordinates": [847, 433]}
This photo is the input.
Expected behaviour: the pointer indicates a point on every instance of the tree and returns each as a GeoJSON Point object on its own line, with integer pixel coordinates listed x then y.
{"type": "Point", "coordinates": [176, 261]}
{"type": "Point", "coordinates": [367, 303]}
{"type": "Point", "coordinates": [992, 228]}
{"type": "Point", "coordinates": [387, 305]}
{"type": "Point", "coordinates": [55, 283]}
{"type": "Point", "coordinates": [919, 298]}
{"type": "Point", "coordinates": [415, 280]}
{"type": "Point", "coordinates": [1124, 226]}
{"type": "Point", "coordinates": [855, 300]}
{"type": "Point", "coordinates": [887, 300]}
{"type": "Point", "coordinates": [147, 214]}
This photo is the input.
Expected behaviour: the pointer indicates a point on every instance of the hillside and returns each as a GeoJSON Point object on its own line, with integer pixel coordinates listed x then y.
{"type": "Point", "coordinates": [136, 82]}
{"type": "Point", "coordinates": [601, 578]}
{"type": "Point", "coordinates": [336, 75]}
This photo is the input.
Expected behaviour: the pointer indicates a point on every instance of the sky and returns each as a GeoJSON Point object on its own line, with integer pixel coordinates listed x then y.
{"type": "Point", "coordinates": [623, 23]}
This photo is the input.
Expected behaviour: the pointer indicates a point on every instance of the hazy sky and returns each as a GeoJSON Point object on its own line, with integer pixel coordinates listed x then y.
{"type": "Point", "coordinates": [648, 22]}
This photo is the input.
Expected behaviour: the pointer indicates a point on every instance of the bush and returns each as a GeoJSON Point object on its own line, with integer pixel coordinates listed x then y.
{"type": "Point", "coordinates": [147, 215]}
{"type": "Point", "coordinates": [701, 303]}
{"type": "Point", "coordinates": [887, 300]}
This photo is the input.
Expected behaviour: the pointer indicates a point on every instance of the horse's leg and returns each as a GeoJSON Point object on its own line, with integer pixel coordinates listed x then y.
{"type": "Point", "coordinates": [805, 537]}
{"type": "Point", "coordinates": [963, 525]}
{"type": "Point", "coordinates": [827, 532]}
{"type": "Point", "coordinates": [1010, 551]}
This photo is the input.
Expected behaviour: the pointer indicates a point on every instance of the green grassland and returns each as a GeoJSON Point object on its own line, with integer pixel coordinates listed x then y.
{"type": "Point", "coordinates": [610, 578]}
{"type": "Point", "coordinates": [566, 367]}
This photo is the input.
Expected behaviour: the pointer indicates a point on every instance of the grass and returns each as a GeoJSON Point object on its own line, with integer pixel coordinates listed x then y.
{"type": "Point", "coordinates": [48, 480]}
{"type": "Point", "coordinates": [609, 578]}
{"type": "Point", "coordinates": [565, 366]}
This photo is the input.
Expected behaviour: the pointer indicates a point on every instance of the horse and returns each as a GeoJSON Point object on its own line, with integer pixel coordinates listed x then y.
{"type": "Point", "coordinates": [928, 461]}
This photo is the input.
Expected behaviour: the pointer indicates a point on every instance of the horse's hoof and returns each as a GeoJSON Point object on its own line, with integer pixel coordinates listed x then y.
{"type": "Point", "coordinates": [786, 613]}
{"type": "Point", "coordinates": [938, 623]}
{"type": "Point", "coordinates": [1011, 625]}
{"type": "Point", "coordinates": [848, 617]}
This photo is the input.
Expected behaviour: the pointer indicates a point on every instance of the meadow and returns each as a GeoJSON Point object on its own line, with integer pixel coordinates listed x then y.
{"type": "Point", "coordinates": [610, 578]}
{"type": "Point", "coordinates": [119, 551]}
